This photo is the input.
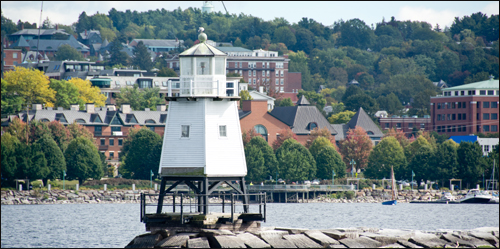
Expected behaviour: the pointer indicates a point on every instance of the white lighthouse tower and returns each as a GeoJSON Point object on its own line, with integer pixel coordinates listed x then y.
{"type": "Point", "coordinates": [202, 144]}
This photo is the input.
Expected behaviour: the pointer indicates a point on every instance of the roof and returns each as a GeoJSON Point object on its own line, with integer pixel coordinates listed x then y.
{"type": "Point", "coordinates": [257, 95]}
{"type": "Point", "coordinates": [20, 43]}
{"type": "Point", "coordinates": [159, 42]}
{"type": "Point", "coordinates": [52, 45]}
{"type": "Point", "coordinates": [342, 130]}
{"type": "Point", "coordinates": [234, 49]}
{"type": "Point", "coordinates": [42, 32]}
{"type": "Point", "coordinates": [299, 118]}
{"type": "Point", "coordinates": [303, 101]}
{"type": "Point", "coordinates": [440, 84]}
{"type": "Point", "coordinates": [458, 139]}
{"type": "Point", "coordinates": [89, 33]}
{"type": "Point", "coordinates": [362, 119]}
{"type": "Point", "coordinates": [243, 114]}
{"type": "Point", "coordinates": [202, 49]}
{"type": "Point", "coordinates": [486, 84]}
{"type": "Point", "coordinates": [100, 114]}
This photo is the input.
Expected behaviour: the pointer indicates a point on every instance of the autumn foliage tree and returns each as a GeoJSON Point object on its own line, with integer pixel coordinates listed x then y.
{"type": "Point", "coordinates": [31, 85]}
{"type": "Point", "coordinates": [248, 135]}
{"type": "Point", "coordinates": [357, 146]}
{"type": "Point", "coordinates": [88, 93]}
{"type": "Point", "coordinates": [323, 132]}
{"type": "Point", "coordinates": [285, 134]}
{"type": "Point", "coordinates": [399, 135]}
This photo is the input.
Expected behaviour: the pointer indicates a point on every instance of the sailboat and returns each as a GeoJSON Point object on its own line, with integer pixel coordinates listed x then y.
{"type": "Point", "coordinates": [394, 191]}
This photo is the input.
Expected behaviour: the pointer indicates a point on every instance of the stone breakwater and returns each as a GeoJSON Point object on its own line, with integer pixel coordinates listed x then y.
{"type": "Point", "coordinates": [330, 238]}
{"type": "Point", "coordinates": [10, 197]}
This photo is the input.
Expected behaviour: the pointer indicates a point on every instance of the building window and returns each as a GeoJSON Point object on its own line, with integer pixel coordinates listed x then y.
{"type": "Point", "coordinates": [268, 70]}
{"type": "Point", "coordinates": [261, 130]}
{"type": "Point", "coordinates": [14, 55]}
{"type": "Point", "coordinates": [254, 72]}
{"type": "Point", "coordinates": [111, 142]}
{"type": "Point", "coordinates": [387, 125]}
{"type": "Point", "coordinates": [312, 126]}
{"type": "Point", "coordinates": [482, 92]}
{"type": "Point", "coordinates": [453, 129]}
{"type": "Point", "coordinates": [222, 131]}
{"type": "Point", "coordinates": [453, 105]}
{"type": "Point", "coordinates": [152, 128]}
{"type": "Point", "coordinates": [491, 92]}
{"type": "Point", "coordinates": [494, 116]}
{"type": "Point", "coordinates": [277, 81]}
{"type": "Point", "coordinates": [471, 92]}
{"type": "Point", "coordinates": [263, 73]}
{"type": "Point", "coordinates": [164, 83]}
{"type": "Point", "coordinates": [116, 128]}
{"type": "Point", "coordinates": [486, 104]}
{"type": "Point", "coordinates": [410, 125]}
{"type": "Point", "coordinates": [241, 64]}
{"type": "Point", "coordinates": [448, 116]}
{"type": "Point", "coordinates": [486, 148]}
{"type": "Point", "coordinates": [282, 89]}
{"type": "Point", "coordinates": [439, 117]}
{"type": "Point", "coordinates": [422, 125]}
{"type": "Point", "coordinates": [249, 72]}
{"type": "Point", "coordinates": [185, 131]}
{"type": "Point", "coordinates": [254, 81]}
{"type": "Point", "coordinates": [486, 116]}
{"type": "Point", "coordinates": [459, 116]}
{"type": "Point", "coordinates": [453, 116]}
{"type": "Point", "coordinates": [494, 104]}
{"type": "Point", "coordinates": [494, 128]}
{"type": "Point", "coordinates": [103, 141]}
{"type": "Point", "coordinates": [112, 154]}
{"type": "Point", "coordinates": [277, 73]}
{"type": "Point", "coordinates": [478, 117]}
{"type": "Point", "coordinates": [120, 142]}
{"type": "Point", "coordinates": [464, 105]}
{"type": "Point", "coordinates": [276, 89]}
{"type": "Point", "coordinates": [97, 130]}
{"type": "Point", "coordinates": [282, 81]}
{"type": "Point", "coordinates": [459, 105]}
{"type": "Point", "coordinates": [486, 128]}
{"type": "Point", "coordinates": [398, 125]}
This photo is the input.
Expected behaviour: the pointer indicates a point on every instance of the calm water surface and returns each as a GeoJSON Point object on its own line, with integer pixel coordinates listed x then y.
{"type": "Point", "coordinates": [115, 225]}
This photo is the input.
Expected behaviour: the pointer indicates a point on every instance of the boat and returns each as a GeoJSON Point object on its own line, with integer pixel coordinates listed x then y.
{"type": "Point", "coordinates": [394, 191]}
{"type": "Point", "coordinates": [476, 196]}
{"type": "Point", "coordinates": [447, 197]}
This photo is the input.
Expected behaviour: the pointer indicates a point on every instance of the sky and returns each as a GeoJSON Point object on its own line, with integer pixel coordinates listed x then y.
{"type": "Point", "coordinates": [433, 12]}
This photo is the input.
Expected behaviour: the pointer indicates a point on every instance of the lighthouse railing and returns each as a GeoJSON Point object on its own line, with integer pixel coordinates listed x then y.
{"type": "Point", "coordinates": [209, 88]}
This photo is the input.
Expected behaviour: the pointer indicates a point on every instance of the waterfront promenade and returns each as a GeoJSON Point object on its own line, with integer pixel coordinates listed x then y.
{"type": "Point", "coordinates": [11, 197]}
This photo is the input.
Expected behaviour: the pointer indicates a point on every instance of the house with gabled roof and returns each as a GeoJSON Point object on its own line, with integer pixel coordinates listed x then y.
{"type": "Point", "coordinates": [110, 126]}
{"type": "Point", "coordinates": [90, 37]}
{"type": "Point", "coordinates": [33, 34]}
{"type": "Point", "coordinates": [362, 119]}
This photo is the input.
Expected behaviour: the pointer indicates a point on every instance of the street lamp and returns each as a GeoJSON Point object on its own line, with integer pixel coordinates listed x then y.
{"type": "Point", "coordinates": [352, 167]}
{"type": "Point", "coordinates": [333, 175]}
{"type": "Point", "coordinates": [64, 179]}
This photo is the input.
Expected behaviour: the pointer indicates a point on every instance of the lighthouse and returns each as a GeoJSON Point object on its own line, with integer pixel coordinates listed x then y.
{"type": "Point", "coordinates": [202, 143]}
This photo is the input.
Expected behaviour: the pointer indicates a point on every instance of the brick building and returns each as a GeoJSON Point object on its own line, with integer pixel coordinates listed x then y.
{"type": "Point", "coordinates": [110, 126]}
{"type": "Point", "coordinates": [406, 124]}
{"type": "Point", "coordinates": [11, 58]}
{"type": "Point", "coordinates": [466, 109]}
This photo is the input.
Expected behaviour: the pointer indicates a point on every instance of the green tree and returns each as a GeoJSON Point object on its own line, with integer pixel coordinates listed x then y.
{"type": "Point", "coordinates": [299, 63]}
{"type": "Point", "coordinates": [341, 117]}
{"type": "Point", "coordinates": [83, 160]}
{"type": "Point", "coordinates": [245, 95]}
{"type": "Point", "coordinates": [445, 161]}
{"type": "Point", "coordinates": [9, 163]}
{"type": "Point", "coordinates": [285, 35]}
{"type": "Point", "coordinates": [66, 52]}
{"type": "Point", "coordinates": [357, 34]}
{"type": "Point", "coordinates": [295, 162]}
{"type": "Point", "coordinates": [141, 145]}
{"type": "Point", "coordinates": [470, 162]}
{"type": "Point", "coordinates": [11, 101]}
{"type": "Point", "coordinates": [66, 93]}
{"type": "Point", "coordinates": [139, 99]}
{"type": "Point", "coordinates": [364, 101]}
{"type": "Point", "coordinates": [142, 58]}
{"type": "Point", "coordinates": [167, 72]}
{"type": "Point", "coordinates": [328, 160]}
{"type": "Point", "coordinates": [390, 103]}
{"type": "Point", "coordinates": [261, 161]}
{"type": "Point", "coordinates": [283, 102]}
{"type": "Point", "coordinates": [313, 98]}
{"type": "Point", "coordinates": [318, 144]}
{"type": "Point", "coordinates": [420, 164]}
{"type": "Point", "coordinates": [54, 156]}
{"type": "Point", "coordinates": [116, 55]}
{"type": "Point", "coordinates": [385, 154]}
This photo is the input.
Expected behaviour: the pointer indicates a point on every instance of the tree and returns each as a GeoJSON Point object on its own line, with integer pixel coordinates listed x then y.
{"type": "Point", "coordinates": [66, 93]}
{"type": "Point", "coordinates": [54, 156]}
{"type": "Point", "coordinates": [356, 146]}
{"type": "Point", "coordinates": [299, 63]}
{"type": "Point", "coordinates": [142, 58]}
{"type": "Point", "coordinates": [285, 35]}
{"type": "Point", "coordinates": [245, 95]}
{"type": "Point", "coordinates": [116, 55]}
{"type": "Point", "coordinates": [141, 146]}
{"type": "Point", "coordinates": [295, 162]}
{"type": "Point", "coordinates": [341, 117]}
{"type": "Point", "coordinates": [445, 161]}
{"type": "Point", "coordinates": [60, 134]}
{"type": "Point", "coordinates": [313, 98]}
{"type": "Point", "coordinates": [470, 162]}
{"type": "Point", "coordinates": [83, 160]}
{"type": "Point", "coordinates": [328, 160]}
{"type": "Point", "coordinates": [167, 72]}
{"type": "Point", "coordinates": [415, 146]}
{"type": "Point", "coordinates": [385, 154]}
{"type": "Point", "coordinates": [11, 102]}
{"type": "Point", "coordinates": [316, 132]}
{"type": "Point", "coordinates": [420, 164]}
{"type": "Point", "coordinates": [31, 85]}
{"type": "Point", "coordinates": [248, 135]}
{"type": "Point", "coordinates": [284, 102]}
{"type": "Point", "coordinates": [284, 134]}
{"type": "Point", "coordinates": [390, 103]}
{"type": "Point", "coordinates": [353, 103]}
{"type": "Point", "coordinates": [337, 77]}
{"type": "Point", "coordinates": [76, 130]}
{"type": "Point", "coordinates": [399, 135]}
{"type": "Point", "coordinates": [139, 99]}
{"type": "Point", "coordinates": [66, 52]}
{"type": "Point", "coordinates": [9, 163]}
{"type": "Point", "coordinates": [261, 160]}
{"type": "Point", "coordinates": [318, 144]}
{"type": "Point", "coordinates": [88, 93]}
{"type": "Point", "coordinates": [357, 34]}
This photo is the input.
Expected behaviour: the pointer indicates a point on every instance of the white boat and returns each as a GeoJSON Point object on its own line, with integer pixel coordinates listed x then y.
{"type": "Point", "coordinates": [447, 196]}
{"type": "Point", "coordinates": [476, 196]}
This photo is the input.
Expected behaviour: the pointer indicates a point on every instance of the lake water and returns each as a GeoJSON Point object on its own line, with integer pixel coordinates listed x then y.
{"type": "Point", "coordinates": [115, 225]}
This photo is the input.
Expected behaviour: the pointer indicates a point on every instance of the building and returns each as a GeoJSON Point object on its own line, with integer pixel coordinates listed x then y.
{"type": "Point", "coordinates": [65, 70]}
{"type": "Point", "coordinates": [406, 123]}
{"type": "Point", "coordinates": [10, 59]}
{"type": "Point", "coordinates": [110, 126]}
{"type": "Point", "coordinates": [34, 34]}
{"type": "Point", "coordinates": [159, 45]}
{"type": "Point", "coordinates": [466, 109]}
{"type": "Point", "coordinates": [362, 120]}
{"type": "Point", "coordinates": [49, 47]}
{"type": "Point", "coordinates": [487, 144]}
{"type": "Point", "coordinates": [260, 95]}
{"type": "Point", "coordinates": [90, 37]}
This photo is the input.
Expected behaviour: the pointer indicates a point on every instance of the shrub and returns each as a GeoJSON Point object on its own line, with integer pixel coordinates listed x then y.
{"type": "Point", "coordinates": [349, 195]}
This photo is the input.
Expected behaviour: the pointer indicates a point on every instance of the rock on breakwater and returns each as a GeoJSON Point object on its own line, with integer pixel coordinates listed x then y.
{"type": "Point", "coordinates": [275, 237]}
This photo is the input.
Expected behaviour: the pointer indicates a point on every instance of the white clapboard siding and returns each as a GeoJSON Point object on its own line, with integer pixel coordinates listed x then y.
{"type": "Point", "coordinates": [182, 152]}
{"type": "Point", "coordinates": [225, 156]}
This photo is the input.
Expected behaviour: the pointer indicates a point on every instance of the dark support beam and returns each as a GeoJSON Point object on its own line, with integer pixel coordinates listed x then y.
{"type": "Point", "coordinates": [162, 194]}
{"type": "Point", "coordinates": [193, 187]}
{"type": "Point", "coordinates": [236, 188]}
{"type": "Point", "coordinates": [200, 204]}
{"type": "Point", "coordinates": [173, 186]}
{"type": "Point", "coordinates": [214, 186]}
{"type": "Point", "coordinates": [245, 197]}
{"type": "Point", "coordinates": [205, 196]}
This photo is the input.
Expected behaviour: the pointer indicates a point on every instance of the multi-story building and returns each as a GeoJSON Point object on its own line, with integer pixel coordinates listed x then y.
{"type": "Point", "coordinates": [110, 126]}
{"type": "Point", "coordinates": [65, 70]}
{"type": "Point", "coordinates": [466, 109]}
{"type": "Point", "coordinates": [11, 58]}
{"type": "Point", "coordinates": [406, 124]}
{"type": "Point", "coordinates": [159, 45]}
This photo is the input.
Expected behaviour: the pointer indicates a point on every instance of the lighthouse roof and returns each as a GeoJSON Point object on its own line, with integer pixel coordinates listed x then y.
{"type": "Point", "coordinates": [202, 49]}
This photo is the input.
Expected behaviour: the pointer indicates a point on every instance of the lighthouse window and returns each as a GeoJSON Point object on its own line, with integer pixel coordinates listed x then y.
{"type": "Point", "coordinates": [222, 131]}
{"type": "Point", "coordinates": [184, 130]}
{"type": "Point", "coordinates": [203, 66]}
{"type": "Point", "coordinates": [219, 66]}
{"type": "Point", "coordinates": [186, 66]}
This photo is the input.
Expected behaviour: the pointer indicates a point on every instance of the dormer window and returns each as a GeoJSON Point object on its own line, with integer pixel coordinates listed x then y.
{"type": "Point", "coordinates": [150, 121]}
{"type": "Point", "coordinates": [370, 133]}
{"type": "Point", "coordinates": [312, 125]}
